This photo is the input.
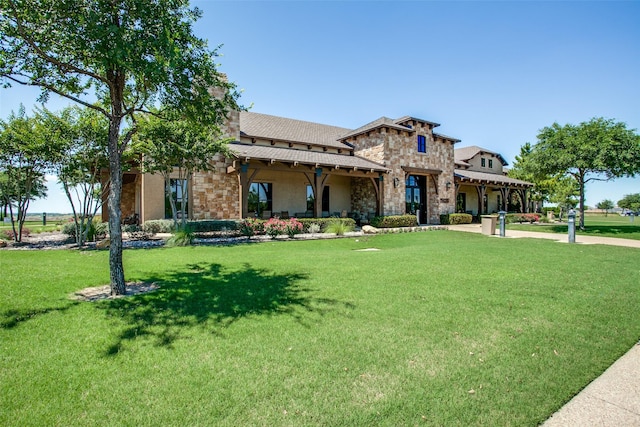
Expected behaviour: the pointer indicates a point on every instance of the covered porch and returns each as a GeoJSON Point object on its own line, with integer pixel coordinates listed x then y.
{"type": "Point", "coordinates": [479, 193]}
{"type": "Point", "coordinates": [276, 181]}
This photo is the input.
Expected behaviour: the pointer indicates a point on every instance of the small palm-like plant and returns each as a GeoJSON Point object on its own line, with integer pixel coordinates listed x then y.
{"type": "Point", "coordinates": [182, 237]}
{"type": "Point", "coordinates": [338, 227]}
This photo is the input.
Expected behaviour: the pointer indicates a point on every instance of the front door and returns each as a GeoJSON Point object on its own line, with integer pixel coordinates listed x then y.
{"type": "Point", "coordinates": [416, 197]}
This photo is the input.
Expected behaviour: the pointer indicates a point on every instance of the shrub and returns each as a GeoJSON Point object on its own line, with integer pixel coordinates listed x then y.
{"type": "Point", "coordinates": [314, 228]}
{"type": "Point", "coordinates": [9, 233]}
{"type": "Point", "coordinates": [394, 221]}
{"type": "Point", "coordinates": [293, 227]}
{"type": "Point", "coordinates": [274, 227]}
{"type": "Point", "coordinates": [338, 227]}
{"type": "Point", "coordinates": [460, 218]}
{"type": "Point", "coordinates": [323, 223]}
{"type": "Point", "coordinates": [251, 226]}
{"type": "Point", "coordinates": [444, 219]}
{"type": "Point", "coordinates": [155, 226]}
{"type": "Point", "coordinates": [213, 225]}
{"type": "Point", "coordinates": [182, 237]}
{"type": "Point", "coordinates": [520, 218]}
{"type": "Point", "coordinates": [101, 230]}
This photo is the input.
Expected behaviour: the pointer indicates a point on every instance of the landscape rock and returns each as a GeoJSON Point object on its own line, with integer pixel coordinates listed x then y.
{"type": "Point", "coordinates": [367, 229]}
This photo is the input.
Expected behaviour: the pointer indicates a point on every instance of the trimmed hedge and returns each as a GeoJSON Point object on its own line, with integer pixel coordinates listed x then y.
{"type": "Point", "coordinates": [155, 226]}
{"type": "Point", "coordinates": [394, 221]}
{"type": "Point", "coordinates": [323, 223]}
{"type": "Point", "coordinates": [522, 217]}
{"type": "Point", "coordinates": [213, 225]}
{"type": "Point", "coordinates": [444, 219]}
{"type": "Point", "coordinates": [460, 218]}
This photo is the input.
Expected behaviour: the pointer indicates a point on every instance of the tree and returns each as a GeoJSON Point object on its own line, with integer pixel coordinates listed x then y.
{"type": "Point", "coordinates": [129, 54]}
{"type": "Point", "coordinates": [81, 135]}
{"type": "Point", "coordinates": [630, 202]}
{"type": "Point", "coordinates": [599, 149]}
{"type": "Point", "coordinates": [565, 194]}
{"type": "Point", "coordinates": [605, 205]}
{"type": "Point", "coordinates": [24, 159]}
{"type": "Point", "coordinates": [177, 147]}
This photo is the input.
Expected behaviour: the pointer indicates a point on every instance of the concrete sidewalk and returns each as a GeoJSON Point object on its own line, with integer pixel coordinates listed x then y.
{"type": "Point", "coordinates": [564, 238]}
{"type": "Point", "coordinates": [612, 399]}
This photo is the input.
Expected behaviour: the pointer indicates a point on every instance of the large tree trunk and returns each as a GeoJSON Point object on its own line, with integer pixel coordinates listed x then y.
{"type": "Point", "coordinates": [116, 270]}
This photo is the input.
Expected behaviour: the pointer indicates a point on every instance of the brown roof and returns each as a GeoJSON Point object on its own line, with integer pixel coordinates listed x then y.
{"type": "Point", "coordinates": [289, 155]}
{"type": "Point", "coordinates": [256, 125]}
{"type": "Point", "coordinates": [489, 177]}
{"type": "Point", "coordinates": [462, 154]}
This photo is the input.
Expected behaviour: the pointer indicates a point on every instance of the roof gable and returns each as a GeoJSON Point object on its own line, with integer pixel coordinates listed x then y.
{"type": "Point", "coordinates": [464, 154]}
{"type": "Point", "coordinates": [264, 126]}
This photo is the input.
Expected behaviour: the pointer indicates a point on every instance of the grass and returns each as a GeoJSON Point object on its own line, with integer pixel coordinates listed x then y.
{"type": "Point", "coordinates": [612, 225]}
{"type": "Point", "coordinates": [438, 328]}
{"type": "Point", "coordinates": [32, 226]}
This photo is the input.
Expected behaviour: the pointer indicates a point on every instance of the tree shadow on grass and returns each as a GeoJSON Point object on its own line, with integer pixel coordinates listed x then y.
{"type": "Point", "coordinates": [12, 318]}
{"type": "Point", "coordinates": [206, 295]}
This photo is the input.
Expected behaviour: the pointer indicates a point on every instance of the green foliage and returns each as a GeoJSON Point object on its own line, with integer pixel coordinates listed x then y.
{"type": "Point", "coordinates": [394, 221]}
{"type": "Point", "coordinates": [460, 218]}
{"type": "Point", "coordinates": [347, 337]}
{"type": "Point", "coordinates": [522, 217]}
{"type": "Point", "coordinates": [211, 225]}
{"type": "Point", "coordinates": [338, 228]}
{"type": "Point", "coordinates": [25, 156]}
{"type": "Point", "coordinates": [323, 223]}
{"type": "Point", "coordinates": [594, 150]}
{"type": "Point", "coordinates": [630, 202]}
{"type": "Point", "coordinates": [444, 219]}
{"type": "Point", "coordinates": [155, 226]}
{"type": "Point", "coordinates": [182, 237]}
{"type": "Point", "coordinates": [130, 55]}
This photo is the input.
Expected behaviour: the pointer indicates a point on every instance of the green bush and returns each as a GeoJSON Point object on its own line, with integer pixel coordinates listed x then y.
{"type": "Point", "coordinates": [522, 217]}
{"type": "Point", "coordinates": [182, 237]}
{"type": "Point", "coordinates": [213, 225]}
{"type": "Point", "coordinates": [323, 223]}
{"type": "Point", "coordinates": [338, 227]}
{"type": "Point", "coordinates": [444, 219]}
{"type": "Point", "coordinates": [394, 221]}
{"type": "Point", "coordinates": [460, 218]}
{"type": "Point", "coordinates": [155, 226]}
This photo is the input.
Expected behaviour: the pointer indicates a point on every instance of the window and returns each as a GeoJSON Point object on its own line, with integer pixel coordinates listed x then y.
{"type": "Point", "coordinates": [483, 162]}
{"type": "Point", "coordinates": [490, 163]}
{"type": "Point", "coordinates": [178, 193]}
{"type": "Point", "coordinates": [422, 144]}
{"type": "Point", "coordinates": [260, 197]}
{"type": "Point", "coordinates": [311, 199]}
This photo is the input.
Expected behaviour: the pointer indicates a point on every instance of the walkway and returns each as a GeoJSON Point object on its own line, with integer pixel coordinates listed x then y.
{"type": "Point", "coordinates": [564, 238]}
{"type": "Point", "coordinates": [613, 399]}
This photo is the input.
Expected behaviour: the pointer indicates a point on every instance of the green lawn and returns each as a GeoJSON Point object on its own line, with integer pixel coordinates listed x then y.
{"type": "Point", "coordinates": [435, 328]}
{"type": "Point", "coordinates": [32, 226]}
{"type": "Point", "coordinates": [612, 225]}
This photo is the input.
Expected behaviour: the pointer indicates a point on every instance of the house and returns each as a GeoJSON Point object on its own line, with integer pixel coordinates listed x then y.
{"type": "Point", "coordinates": [482, 185]}
{"type": "Point", "coordinates": [289, 167]}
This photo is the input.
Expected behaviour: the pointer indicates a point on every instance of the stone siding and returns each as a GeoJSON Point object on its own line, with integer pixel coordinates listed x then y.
{"type": "Point", "coordinates": [400, 149]}
{"type": "Point", "coordinates": [363, 196]}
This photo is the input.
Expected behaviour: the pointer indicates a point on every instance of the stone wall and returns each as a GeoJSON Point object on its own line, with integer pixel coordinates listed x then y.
{"type": "Point", "coordinates": [400, 149]}
{"type": "Point", "coordinates": [363, 196]}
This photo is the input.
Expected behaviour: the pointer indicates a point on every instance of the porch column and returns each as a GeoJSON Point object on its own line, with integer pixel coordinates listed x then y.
{"type": "Point", "coordinates": [244, 189]}
{"type": "Point", "coordinates": [380, 195]}
{"type": "Point", "coordinates": [525, 194]}
{"type": "Point", "coordinates": [482, 190]}
{"type": "Point", "coordinates": [504, 193]}
{"type": "Point", "coordinates": [318, 188]}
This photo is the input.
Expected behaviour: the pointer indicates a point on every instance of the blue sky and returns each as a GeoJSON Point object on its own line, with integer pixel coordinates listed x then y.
{"type": "Point", "coordinates": [491, 73]}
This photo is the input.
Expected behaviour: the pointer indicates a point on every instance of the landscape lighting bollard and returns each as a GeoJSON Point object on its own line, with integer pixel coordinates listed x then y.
{"type": "Point", "coordinates": [44, 218]}
{"type": "Point", "coordinates": [572, 226]}
{"type": "Point", "coordinates": [502, 222]}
